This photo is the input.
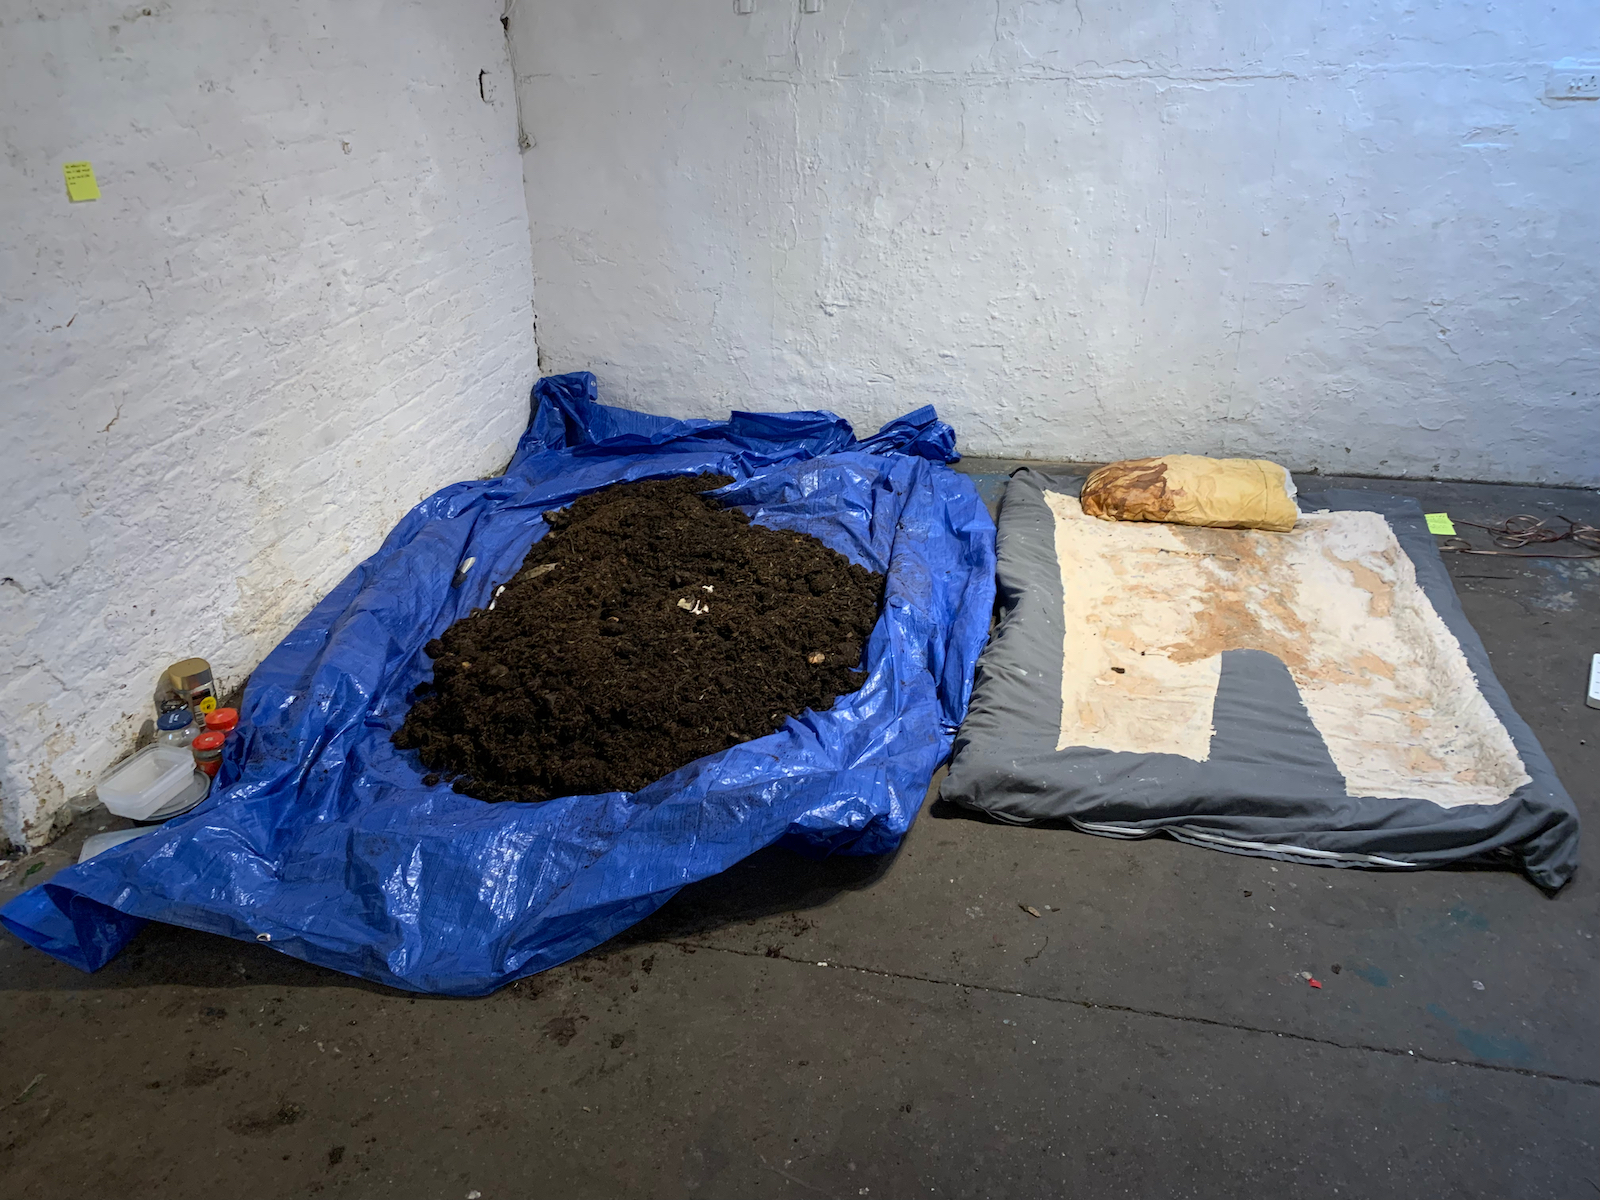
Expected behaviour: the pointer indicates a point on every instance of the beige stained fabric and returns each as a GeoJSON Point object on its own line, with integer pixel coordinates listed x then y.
{"type": "Point", "coordinates": [1187, 489]}
{"type": "Point", "coordinates": [1383, 679]}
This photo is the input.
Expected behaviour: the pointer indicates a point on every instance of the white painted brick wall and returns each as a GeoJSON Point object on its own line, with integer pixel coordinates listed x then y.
{"type": "Point", "coordinates": [303, 303]}
{"type": "Point", "coordinates": [1354, 236]}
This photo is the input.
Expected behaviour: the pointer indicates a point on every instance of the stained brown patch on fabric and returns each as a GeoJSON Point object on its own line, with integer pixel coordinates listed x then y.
{"type": "Point", "coordinates": [1381, 590]}
{"type": "Point", "coordinates": [1245, 607]}
{"type": "Point", "coordinates": [1132, 490]}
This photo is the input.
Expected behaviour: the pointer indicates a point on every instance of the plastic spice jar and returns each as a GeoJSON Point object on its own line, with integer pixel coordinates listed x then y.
{"type": "Point", "coordinates": [222, 720]}
{"type": "Point", "coordinates": [207, 750]}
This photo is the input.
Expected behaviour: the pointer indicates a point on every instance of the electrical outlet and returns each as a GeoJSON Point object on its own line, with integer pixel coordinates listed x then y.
{"type": "Point", "coordinates": [1569, 81]}
{"type": "Point", "coordinates": [744, 7]}
{"type": "Point", "coordinates": [810, 6]}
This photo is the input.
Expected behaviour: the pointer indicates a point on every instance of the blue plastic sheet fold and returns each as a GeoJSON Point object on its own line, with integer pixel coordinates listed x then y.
{"type": "Point", "coordinates": [321, 838]}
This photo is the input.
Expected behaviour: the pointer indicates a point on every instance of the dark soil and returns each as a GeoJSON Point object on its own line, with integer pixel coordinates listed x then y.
{"type": "Point", "coordinates": [649, 627]}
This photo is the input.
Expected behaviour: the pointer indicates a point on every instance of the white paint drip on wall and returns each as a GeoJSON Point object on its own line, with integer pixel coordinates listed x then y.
{"type": "Point", "coordinates": [302, 303]}
{"type": "Point", "coordinates": [1353, 238]}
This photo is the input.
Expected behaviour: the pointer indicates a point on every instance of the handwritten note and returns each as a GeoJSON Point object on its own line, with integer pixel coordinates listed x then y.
{"type": "Point", "coordinates": [80, 181]}
{"type": "Point", "coordinates": [1440, 523]}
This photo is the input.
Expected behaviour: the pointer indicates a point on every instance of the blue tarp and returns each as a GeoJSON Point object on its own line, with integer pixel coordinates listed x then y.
{"type": "Point", "coordinates": [322, 839]}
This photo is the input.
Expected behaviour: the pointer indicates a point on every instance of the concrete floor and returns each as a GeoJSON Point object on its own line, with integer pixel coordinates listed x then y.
{"type": "Point", "coordinates": [896, 1028]}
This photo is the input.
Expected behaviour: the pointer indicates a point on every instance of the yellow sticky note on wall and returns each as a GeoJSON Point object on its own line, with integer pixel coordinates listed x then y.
{"type": "Point", "coordinates": [80, 181]}
{"type": "Point", "coordinates": [1440, 523]}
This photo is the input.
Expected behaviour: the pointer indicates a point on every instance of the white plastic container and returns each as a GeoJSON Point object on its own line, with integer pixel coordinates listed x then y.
{"type": "Point", "coordinates": [141, 786]}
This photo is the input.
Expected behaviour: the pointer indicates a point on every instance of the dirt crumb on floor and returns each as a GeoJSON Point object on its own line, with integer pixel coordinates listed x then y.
{"type": "Point", "coordinates": [650, 627]}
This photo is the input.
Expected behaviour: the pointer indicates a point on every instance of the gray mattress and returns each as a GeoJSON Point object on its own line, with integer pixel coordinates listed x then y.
{"type": "Point", "coordinates": [1269, 786]}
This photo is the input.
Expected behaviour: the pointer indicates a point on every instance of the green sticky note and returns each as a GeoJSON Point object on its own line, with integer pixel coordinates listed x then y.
{"type": "Point", "coordinates": [80, 181]}
{"type": "Point", "coordinates": [1439, 523]}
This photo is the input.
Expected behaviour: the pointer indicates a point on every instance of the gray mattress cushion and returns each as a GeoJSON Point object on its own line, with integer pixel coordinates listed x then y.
{"type": "Point", "coordinates": [1269, 786]}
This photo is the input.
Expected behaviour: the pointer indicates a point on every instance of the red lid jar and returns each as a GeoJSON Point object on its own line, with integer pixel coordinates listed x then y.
{"type": "Point", "coordinates": [207, 750]}
{"type": "Point", "coordinates": [223, 720]}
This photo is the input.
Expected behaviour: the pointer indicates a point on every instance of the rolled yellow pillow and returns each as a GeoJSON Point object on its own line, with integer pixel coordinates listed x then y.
{"type": "Point", "coordinates": [1188, 489]}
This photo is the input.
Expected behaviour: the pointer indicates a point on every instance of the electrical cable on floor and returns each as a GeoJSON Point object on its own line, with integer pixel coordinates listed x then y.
{"type": "Point", "coordinates": [1523, 530]}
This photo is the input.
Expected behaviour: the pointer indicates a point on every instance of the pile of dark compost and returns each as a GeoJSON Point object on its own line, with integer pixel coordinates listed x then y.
{"type": "Point", "coordinates": [648, 628]}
